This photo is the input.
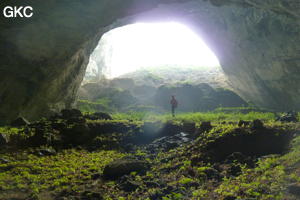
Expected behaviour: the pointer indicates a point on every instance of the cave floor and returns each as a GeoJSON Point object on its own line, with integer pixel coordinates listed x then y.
{"type": "Point", "coordinates": [69, 158]}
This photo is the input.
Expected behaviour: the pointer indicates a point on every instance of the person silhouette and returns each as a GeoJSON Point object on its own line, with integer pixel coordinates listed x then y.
{"type": "Point", "coordinates": [174, 104]}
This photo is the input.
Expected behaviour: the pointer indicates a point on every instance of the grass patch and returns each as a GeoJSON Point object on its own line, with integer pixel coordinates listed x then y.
{"type": "Point", "coordinates": [195, 117]}
{"type": "Point", "coordinates": [64, 171]}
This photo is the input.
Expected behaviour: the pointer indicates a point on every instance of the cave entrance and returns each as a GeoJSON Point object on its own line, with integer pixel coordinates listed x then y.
{"type": "Point", "coordinates": [140, 66]}
{"type": "Point", "coordinates": [149, 45]}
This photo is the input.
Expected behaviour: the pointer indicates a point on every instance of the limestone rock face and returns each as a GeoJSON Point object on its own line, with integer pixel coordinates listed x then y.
{"type": "Point", "coordinates": [43, 59]}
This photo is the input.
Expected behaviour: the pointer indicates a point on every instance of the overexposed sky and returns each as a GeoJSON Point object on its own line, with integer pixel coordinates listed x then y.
{"type": "Point", "coordinates": [156, 44]}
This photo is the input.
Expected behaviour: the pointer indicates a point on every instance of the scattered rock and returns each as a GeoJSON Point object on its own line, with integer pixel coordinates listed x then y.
{"type": "Point", "coordinates": [20, 121]}
{"type": "Point", "coordinates": [288, 117]}
{"type": "Point", "coordinates": [122, 167]}
{"type": "Point", "coordinates": [243, 123]}
{"type": "Point", "coordinates": [169, 142]}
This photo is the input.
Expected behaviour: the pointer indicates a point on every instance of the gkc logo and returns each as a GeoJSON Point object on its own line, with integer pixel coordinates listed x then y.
{"type": "Point", "coordinates": [18, 11]}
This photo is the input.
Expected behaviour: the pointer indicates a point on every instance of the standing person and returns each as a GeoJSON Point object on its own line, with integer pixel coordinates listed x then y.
{"type": "Point", "coordinates": [174, 104]}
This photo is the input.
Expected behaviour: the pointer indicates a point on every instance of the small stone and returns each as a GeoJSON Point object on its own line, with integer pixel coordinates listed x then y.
{"type": "Point", "coordinates": [4, 161]}
{"type": "Point", "coordinates": [3, 139]}
{"type": "Point", "coordinates": [47, 152]}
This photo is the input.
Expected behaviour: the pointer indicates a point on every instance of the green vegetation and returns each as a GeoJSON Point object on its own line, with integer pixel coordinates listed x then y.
{"type": "Point", "coordinates": [176, 74]}
{"type": "Point", "coordinates": [195, 117]}
{"type": "Point", "coordinates": [67, 170]}
{"type": "Point", "coordinates": [93, 106]}
{"type": "Point", "coordinates": [188, 171]}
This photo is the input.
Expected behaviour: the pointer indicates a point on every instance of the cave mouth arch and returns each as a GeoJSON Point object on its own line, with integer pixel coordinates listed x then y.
{"type": "Point", "coordinates": [137, 67]}
{"type": "Point", "coordinates": [43, 60]}
{"type": "Point", "coordinates": [145, 45]}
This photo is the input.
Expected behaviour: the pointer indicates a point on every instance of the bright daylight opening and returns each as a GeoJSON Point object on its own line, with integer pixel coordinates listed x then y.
{"type": "Point", "coordinates": [141, 45]}
{"type": "Point", "coordinates": [139, 67]}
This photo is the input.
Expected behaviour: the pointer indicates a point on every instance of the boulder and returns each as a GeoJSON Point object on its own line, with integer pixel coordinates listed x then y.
{"type": "Point", "coordinates": [124, 166]}
{"type": "Point", "coordinates": [20, 121]}
{"type": "Point", "coordinates": [170, 129]}
{"type": "Point", "coordinates": [257, 124]}
{"type": "Point", "coordinates": [76, 120]}
{"type": "Point", "coordinates": [294, 189]}
{"type": "Point", "coordinates": [78, 134]}
{"type": "Point", "coordinates": [205, 126]}
{"type": "Point", "coordinates": [71, 113]}
{"type": "Point", "coordinates": [189, 127]}
{"type": "Point", "coordinates": [99, 116]}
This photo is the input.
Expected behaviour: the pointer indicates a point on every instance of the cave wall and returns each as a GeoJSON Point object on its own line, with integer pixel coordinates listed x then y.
{"type": "Point", "coordinates": [43, 59]}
